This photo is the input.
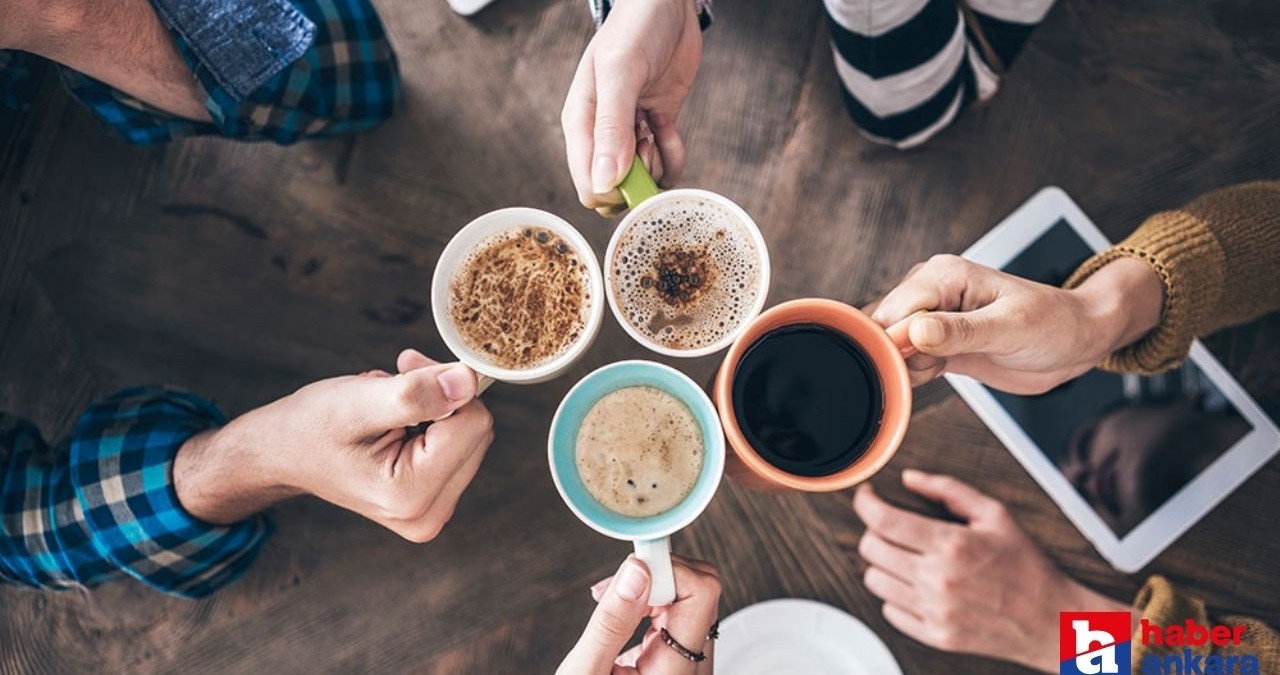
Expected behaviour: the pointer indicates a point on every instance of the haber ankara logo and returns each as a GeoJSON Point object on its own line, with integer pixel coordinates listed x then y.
{"type": "Point", "coordinates": [1094, 643]}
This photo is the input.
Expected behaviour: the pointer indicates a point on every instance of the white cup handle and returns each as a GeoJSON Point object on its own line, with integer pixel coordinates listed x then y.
{"type": "Point", "coordinates": [656, 555]}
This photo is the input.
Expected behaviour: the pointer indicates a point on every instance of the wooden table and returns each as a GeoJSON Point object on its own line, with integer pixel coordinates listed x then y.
{"type": "Point", "coordinates": [243, 272]}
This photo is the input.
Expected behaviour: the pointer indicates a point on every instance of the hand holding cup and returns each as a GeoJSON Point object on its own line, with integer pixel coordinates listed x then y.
{"type": "Point", "coordinates": [622, 604]}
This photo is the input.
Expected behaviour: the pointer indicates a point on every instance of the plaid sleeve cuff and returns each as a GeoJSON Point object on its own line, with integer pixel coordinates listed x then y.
{"type": "Point", "coordinates": [346, 81]}
{"type": "Point", "coordinates": [122, 457]}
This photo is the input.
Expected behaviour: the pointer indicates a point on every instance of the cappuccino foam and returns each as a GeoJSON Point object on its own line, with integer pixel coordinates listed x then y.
{"type": "Point", "coordinates": [639, 451]}
{"type": "Point", "coordinates": [686, 275]}
{"type": "Point", "coordinates": [520, 298]}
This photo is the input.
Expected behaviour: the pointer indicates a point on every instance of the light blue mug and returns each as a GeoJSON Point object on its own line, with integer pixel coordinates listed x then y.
{"type": "Point", "coordinates": [651, 535]}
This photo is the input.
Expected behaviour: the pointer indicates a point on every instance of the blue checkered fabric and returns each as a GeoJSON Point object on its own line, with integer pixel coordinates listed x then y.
{"type": "Point", "coordinates": [102, 504]}
{"type": "Point", "coordinates": [347, 81]}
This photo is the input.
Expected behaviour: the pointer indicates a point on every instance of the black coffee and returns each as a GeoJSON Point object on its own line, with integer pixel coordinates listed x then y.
{"type": "Point", "coordinates": [808, 399]}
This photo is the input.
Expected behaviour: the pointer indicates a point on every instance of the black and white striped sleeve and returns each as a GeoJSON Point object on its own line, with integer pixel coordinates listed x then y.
{"type": "Point", "coordinates": [908, 67]}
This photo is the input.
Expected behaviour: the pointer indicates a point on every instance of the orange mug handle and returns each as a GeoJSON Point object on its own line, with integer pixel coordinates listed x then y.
{"type": "Point", "coordinates": [898, 333]}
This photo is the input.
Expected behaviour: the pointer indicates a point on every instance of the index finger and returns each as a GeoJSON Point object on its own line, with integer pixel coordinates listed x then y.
{"type": "Point", "coordinates": [944, 282]}
{"type": "Point", "coordinates": [447, 444]}
{"type": "Point", "coordinates": [902, 527]}
{"type": "Point", "coordinates": [578, 121]}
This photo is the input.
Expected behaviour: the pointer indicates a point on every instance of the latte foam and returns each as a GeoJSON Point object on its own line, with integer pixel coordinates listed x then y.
{"type": "Point", "coordinates": [639, 451]}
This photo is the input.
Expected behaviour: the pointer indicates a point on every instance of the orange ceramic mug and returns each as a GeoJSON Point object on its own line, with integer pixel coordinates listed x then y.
{"type": "Point", "coordinates": [887, 350]}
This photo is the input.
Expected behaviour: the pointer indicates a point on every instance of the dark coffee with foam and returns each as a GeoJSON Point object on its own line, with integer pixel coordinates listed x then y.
{"type": "Point", "coordinates": [687, 274]}
{"type": "Point", "coordinates": [521, 298]}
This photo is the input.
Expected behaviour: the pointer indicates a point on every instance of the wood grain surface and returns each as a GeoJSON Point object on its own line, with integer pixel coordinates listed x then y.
{"type": "Point", "coordinates": [244, 271]}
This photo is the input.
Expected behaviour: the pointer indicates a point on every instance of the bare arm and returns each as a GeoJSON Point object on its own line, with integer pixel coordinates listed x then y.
{"type": "Point", "coordinates": [122, 43]}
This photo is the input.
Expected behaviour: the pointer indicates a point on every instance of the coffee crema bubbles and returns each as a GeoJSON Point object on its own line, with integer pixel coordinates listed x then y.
{"type": "Point", "coordinates": [521, 298]}
{"type": "Point", "coordinates": [686, 274]}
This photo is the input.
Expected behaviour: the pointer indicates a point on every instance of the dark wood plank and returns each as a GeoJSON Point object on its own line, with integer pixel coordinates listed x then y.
{"type": "Point", "coordinates": [244, 271]}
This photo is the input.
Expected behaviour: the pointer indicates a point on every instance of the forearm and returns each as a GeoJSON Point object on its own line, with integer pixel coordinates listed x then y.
{"type": "Point", "coordinates": [123, 44]}
{"type": "Point", "coordinates": [104, 504]}
{"type": "Point", "coordinates": [220, 477]}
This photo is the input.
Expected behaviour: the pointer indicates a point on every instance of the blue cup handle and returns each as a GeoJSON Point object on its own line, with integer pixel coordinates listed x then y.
{"type": "Point", "coordinates": [656, 555]}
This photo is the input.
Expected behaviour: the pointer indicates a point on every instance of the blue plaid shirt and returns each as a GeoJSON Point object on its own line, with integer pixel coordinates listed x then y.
{"type": "Point", "coordinates": [277, 70]}
{"type": "Point", "coordinates": [103, 505]}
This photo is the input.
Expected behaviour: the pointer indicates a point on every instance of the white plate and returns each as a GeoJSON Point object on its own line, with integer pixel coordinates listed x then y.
{"type": "Point", "coordinates": [468, 7]}
{"type": "Point", "coordinates": [799, 637]}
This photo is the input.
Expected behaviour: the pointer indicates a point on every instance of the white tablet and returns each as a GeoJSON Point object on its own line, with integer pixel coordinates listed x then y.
{"type": "Point", "coordinates": [1133, 461]}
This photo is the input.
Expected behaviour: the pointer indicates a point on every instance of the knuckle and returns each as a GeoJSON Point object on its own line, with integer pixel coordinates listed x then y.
{"type": "Point", "coordinates": [484, 419]}
{"type": "Point", "coordinates": [947, 636]}
{"type": "Point", "coordinates": [953, 549]}
{"type": "Point", "coordinates": [871, 578]}
{"type": "Point", "coordinates": [865, 546]}
{"type": "Point", "coordinates": [879, 518]}
{"type": "Point", "coordinates": [426, 530]}
{"type": "Point", "coordinates": [399, 505]}
{"type": "Point", "coordinates": [613, 61]}
{"type": "Point", "coordinates": [948, 583]}
{"type": "Point", "coordinates": [946, 261]}
{"type": "Point", "coordinates": [406, 398]}
{"type": "Point", "coordinates": [713, 585]}
{"type": "Point", "coordinates": [606, 131]}
{"type": "Point", "coordinates": [996, 511]}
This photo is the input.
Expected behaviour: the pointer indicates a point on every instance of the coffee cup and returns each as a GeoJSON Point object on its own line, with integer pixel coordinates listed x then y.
{"type": "Point", "coordinates": [868, 413]}
{"type": "Point", "coordinates": [689, 292]}
{"type": "Point", "coordinates": [528, 233]}
{"type": "Point", "coordinates": [650, 534]}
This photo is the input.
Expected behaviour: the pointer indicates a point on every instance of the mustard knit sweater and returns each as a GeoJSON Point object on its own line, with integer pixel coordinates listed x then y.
{"type": "Point", "coordinates": [1219, 259]}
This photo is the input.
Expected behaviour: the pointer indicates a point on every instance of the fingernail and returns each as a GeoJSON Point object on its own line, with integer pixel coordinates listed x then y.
{"type": "Point", "coordinates": [929, 331]}
{"type": "Point", "coordinates": [631, 581]}
{"type": "Point", "coordinates": [602, 175]}
{"type": "Point", "coordinates": [457, 383]}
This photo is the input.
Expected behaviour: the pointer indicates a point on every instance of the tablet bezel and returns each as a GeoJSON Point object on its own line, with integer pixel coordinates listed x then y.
{"type": "Point", "coordinates": [1195, 499]}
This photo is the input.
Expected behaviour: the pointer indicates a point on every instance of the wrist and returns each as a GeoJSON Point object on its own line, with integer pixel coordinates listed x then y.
{"type": "Point", "coordinates": [1042, 655]}
{"type": "Point", "coordinates": [221, 479]}
{"type": "Point", "coordinates": [1122, 302]}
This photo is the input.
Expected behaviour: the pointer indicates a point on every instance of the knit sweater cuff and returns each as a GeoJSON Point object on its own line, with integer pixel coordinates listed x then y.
{"type": "Point", "coordinates": [1160, 603]}
{"type": "Point", "coordinates": [1183, 251]}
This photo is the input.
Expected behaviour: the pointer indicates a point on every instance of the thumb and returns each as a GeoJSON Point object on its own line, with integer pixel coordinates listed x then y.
{"type": "Point", "coordinates": [959, 497]}
{"type": "Point", "coordinates": [954, 333]}
{"type": "Point", "coordinates": [615, 129]}
{"type": "Point", "coordinates": [621, 609]}
{"type": "Point", "coordinates": [416, 396]}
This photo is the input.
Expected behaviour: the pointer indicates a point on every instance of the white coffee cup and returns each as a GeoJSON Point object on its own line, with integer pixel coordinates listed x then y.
{"type": "Point", "coordinates": [455, 254]}
{"type": "Point", "coordinates": [644, 197]}
{"type": "Point", "coordinates": [651, 534]}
